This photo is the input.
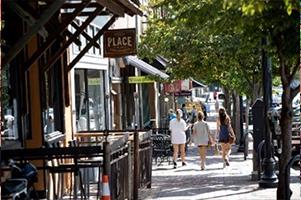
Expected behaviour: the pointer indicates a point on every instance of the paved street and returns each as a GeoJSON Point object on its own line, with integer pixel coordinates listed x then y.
{"type": "Point", "coordinates": [216, 182]}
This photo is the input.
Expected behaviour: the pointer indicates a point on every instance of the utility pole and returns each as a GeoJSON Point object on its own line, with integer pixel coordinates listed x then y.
{"type": "Point", "coordinates": [268, 178]}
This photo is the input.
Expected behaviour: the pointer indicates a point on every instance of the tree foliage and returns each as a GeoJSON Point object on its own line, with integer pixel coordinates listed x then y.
{"type": "Point", "coordinates": [202, 40]}
{"type": "Point", "coordinates": [220, 41]}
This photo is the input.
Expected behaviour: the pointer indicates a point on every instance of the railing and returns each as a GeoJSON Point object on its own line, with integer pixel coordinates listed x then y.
{"type": "Point", "coordinates": [145, 159]}
{"type": "Point", "coordinates": [133, 152]}
{"type": "Point", "coordinates": [120, 173]}
{"type": "Point", "coordinates": [113, 158]}
{"type": "Point", "coordinates": [287, 190]}
{"type": "Point", "coordinates": [164, 131]}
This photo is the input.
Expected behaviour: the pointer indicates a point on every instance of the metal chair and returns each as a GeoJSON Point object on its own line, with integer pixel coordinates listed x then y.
{"type": "Point", "coordinates": [162, 148]}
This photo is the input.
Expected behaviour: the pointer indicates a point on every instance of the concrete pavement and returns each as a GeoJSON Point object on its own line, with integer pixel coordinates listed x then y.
{"type": "Point", "coordinates": [215, 182]}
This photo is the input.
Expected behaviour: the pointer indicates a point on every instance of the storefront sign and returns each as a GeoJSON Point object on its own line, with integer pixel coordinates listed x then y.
{"type": "Point", "coordinates": [93, 81]}
{"type": "Point", "coordinates": [119, 42]}
{"type": "Point", "coordinates": [140, 79]}
{"type": "Point", "coordinates": [183, 93]}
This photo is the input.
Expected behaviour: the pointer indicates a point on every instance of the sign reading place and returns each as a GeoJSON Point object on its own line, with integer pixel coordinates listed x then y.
{"type": "Point", "coordinates": [119, 42]}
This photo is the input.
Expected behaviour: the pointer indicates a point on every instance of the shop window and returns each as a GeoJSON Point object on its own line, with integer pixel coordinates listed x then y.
{"type": "Point", "coordinates": [89, 100]}
{"type": "Point", "coordinates": [9, 109]}
{"type": "Point", "coordinates": [52, 98]}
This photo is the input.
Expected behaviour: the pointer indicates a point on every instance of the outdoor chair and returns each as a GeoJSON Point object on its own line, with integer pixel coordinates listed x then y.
{"type": "Point", "coordinates": [162, 148]}
{"type": "Point", "coordinates": [57, 168]}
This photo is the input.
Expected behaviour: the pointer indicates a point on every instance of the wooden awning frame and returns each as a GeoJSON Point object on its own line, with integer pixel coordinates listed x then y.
{"type": "Point", "coordinates": [118, 8]}
{"type": "Point", "coordinates": [33, 30]}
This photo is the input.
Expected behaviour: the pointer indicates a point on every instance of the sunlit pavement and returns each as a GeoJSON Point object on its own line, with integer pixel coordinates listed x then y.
{"type": "Point", "coordinates": [215, 182]}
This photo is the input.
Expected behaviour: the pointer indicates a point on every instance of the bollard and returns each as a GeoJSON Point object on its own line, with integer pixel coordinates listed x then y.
{"type": "Point", "coordinates": [259, 151]}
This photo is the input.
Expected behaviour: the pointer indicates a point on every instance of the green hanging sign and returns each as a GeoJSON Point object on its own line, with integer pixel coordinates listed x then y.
{"type": "Point", "coordinates": [140, 79]}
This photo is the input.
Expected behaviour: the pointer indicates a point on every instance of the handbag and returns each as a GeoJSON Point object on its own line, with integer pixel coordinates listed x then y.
{"type": "Point", "coordinates": [209, 143]}
{"type": "Point", "coordinates": [232, 137]}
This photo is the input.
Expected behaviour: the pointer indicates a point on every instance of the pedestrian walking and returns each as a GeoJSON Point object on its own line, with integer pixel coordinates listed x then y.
{"type": "Point", "coordinates": [216, 104]}
{"type": "Point", "coordinates": [204, 109]}
{"type": "Point", "coordinates": [177, 128]}
{"type": "Point", "coordinates": [202, 137]}
{"type": "Point", "coordinates": [193, 115]}
{"type": "Point", "coordinates": [184, 112]}
{"type": "Point", "coordinates": [171, 115]}
{"type": "Point", "coordinates": [224, 132]}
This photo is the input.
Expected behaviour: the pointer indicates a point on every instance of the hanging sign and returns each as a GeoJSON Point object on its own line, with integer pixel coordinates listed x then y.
{"type": "Point", "coordinates": [119, 42]}
{"type": "Point", "coordinates": [140, 79]}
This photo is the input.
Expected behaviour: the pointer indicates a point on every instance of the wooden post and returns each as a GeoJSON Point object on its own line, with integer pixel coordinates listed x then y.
{"type": "Point", "coordinates": [0, 76]}
{"type": "Point", "coordinates": [107, 156]}
{"type": "Point", "coordinates": [150, 163]}
{"type": "Point", "coordinates": [136, 163]}
{"type": "Point", "coordinates": [130, 170]}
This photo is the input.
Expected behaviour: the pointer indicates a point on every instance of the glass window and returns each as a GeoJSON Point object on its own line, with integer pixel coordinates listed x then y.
{"type": "Point", "coordinates": [52, 101]}
{"type": "Point", "coordinates": [89, 99]}
{"type": "Point", "coordinates": [9, 105]}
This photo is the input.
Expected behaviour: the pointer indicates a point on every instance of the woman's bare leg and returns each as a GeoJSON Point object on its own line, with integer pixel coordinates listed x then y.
{"type": "Point", "coordinates": [182, 150]}
{"type": "Point", "coordinates": [175, 152]}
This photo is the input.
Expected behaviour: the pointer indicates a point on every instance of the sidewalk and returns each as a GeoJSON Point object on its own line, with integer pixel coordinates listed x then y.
{"type": "Point", "coordinates": [215, 183]}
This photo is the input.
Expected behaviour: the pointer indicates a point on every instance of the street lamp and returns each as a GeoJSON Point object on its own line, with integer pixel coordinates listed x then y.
{"type": "Point", "coordinates": [268, 178]}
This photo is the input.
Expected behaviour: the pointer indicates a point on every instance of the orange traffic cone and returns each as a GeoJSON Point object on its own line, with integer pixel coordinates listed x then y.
{"type": "Point", "coordinates": [106, 195]}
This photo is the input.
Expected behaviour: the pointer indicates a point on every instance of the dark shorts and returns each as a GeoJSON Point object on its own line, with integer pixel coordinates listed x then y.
{"type": "Point", "coordinates": [223, 140]}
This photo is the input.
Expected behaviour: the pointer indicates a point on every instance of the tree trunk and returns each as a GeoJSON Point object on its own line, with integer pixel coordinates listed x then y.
{"type": "Point", "coordinates": [247, 111]}
{"type": "Point", "coordinates": [286, 137]}
{"type": "Point", "coordinates": [256, 92]}
{"type": "Point", "coordinates": [237, 118]}
{"type": "Point", "coordinates": [227, 102]}
{"type": "Point", "coordinates": [232, 112]}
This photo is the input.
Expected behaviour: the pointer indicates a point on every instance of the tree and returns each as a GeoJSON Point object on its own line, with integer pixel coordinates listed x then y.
{"type": "Point", "coordinates": [192, 37]}
{"type": "Point", "coordinates": [215, 41]}
{"type": "Point", "coordinates": [283, 32]}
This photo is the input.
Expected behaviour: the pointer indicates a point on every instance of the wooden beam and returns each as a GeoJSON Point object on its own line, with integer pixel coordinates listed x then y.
{"type": "Point", "coordinates": [137, 2]}
{"type": "Point", "coordinates": [131, 7]}
{"type": "Point", "coordinates": [68, 34]}
{"type": "Point", "coordinates": [27, 16]}
{"type": "Point", "coordinates": [85, 34]}
{"type": "Point", "coordinates": [50, 40]}
{"type": "Point", "coordinates": [25, 11]}
{"type": "Point", "coordinates": [33, 30]}
{"type": "Point", "coordinates": [65, 45]}
{"type": "Point", "coordinates": [112, 7]}
{"type": "Point", "coordinates": [76, 5]}
{"type": "Point", "coordinates": [87, 13]}
{"type": "Point", "coordinates": [90, 44]}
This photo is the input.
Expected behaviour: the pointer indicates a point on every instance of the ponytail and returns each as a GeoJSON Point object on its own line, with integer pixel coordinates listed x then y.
{"type": "Point", "coordinates": [179, 114]}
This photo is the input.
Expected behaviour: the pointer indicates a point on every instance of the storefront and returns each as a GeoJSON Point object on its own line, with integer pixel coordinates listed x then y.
{"type": "Point", "coordinates": [44, 86]}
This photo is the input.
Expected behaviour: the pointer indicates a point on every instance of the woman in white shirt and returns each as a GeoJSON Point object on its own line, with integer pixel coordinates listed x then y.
{"type": "Point", "coordinates": [178, 127]}
{"type": "Point", "coordinates": [201, 137]}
